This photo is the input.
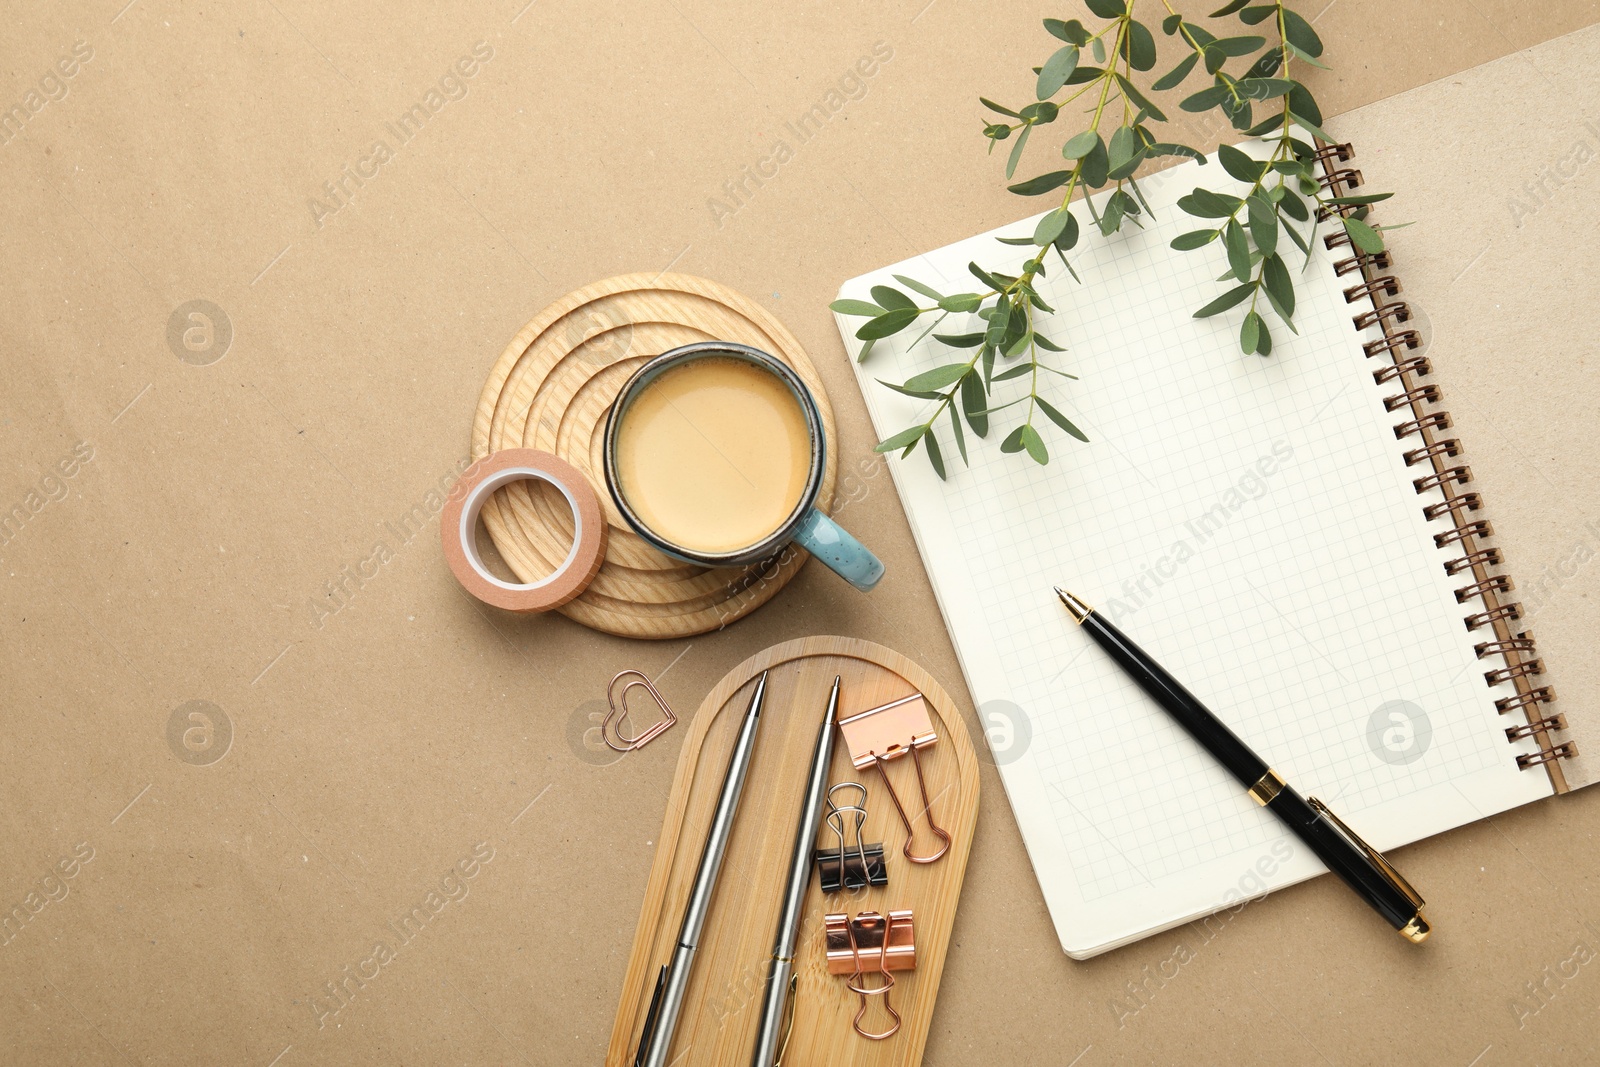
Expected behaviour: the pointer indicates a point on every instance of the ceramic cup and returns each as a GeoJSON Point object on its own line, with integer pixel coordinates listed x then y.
{"type": "Point", "coordinates": [806, 526]}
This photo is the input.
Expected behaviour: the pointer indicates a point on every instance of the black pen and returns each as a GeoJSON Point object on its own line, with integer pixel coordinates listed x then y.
{"type": "Point", "coordinates": [1361, 866]}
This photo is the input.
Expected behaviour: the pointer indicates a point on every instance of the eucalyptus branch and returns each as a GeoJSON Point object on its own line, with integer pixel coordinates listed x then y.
{"type": "Point", "coordinates": [1281, 195]}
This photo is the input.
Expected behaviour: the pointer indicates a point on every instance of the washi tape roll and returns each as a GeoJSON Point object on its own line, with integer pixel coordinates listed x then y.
{"type": "Point", "coordinates": [459, 520]}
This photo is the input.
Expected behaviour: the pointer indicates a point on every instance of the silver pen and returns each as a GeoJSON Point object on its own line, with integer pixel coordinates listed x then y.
{"type": "Point", "coordinates": [661, 1021]}
{"type": "Point", "coordinates": [779, 986]}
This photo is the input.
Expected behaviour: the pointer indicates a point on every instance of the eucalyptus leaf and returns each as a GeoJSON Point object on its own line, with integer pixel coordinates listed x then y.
{"type": "Point", "coordinates": [1080, 144]}
{"type": "Point", "coordinates": [1043, 183]}
{"type": "Point", "coordinates": [1239, 165]}
{"type": "Point", "coordinates": [1060, 419]}
{"type": "Point", "coordinates": [890, 298]}
{"type": "Point", "coordinates": [1233, 239]}
{"type": "Point", "coordinates": [1173, 77]}
{"type": "Point", "coordinates": [1016, 151]}
{"type": "Point", "coordinates": [1300, 33]}
{"type": "Point", "coordinates": [1193, 239]}
{"type": "Point", "coordinates": [1056, 70]}
{"type": "Point", "coordinates": [955, 428]}
{"type": "Point", "coordinates": [1249, 332]}
{"type": "Point", "coordinates": [974, 401]}
{"type": "Point", "coordinates": [960, 302]}
{"type": "Point", "coordinates": [1107, 9]}
{"type": "Point", "coordinates": [1138, 46]}
{"type": "Point", "coordinates": [959, 340]}
{"type": "Point", "coordinates": [938, 378]}
{"type": "Point", "coordinates": [992, 106]}
{"type": "Point", "coordinates": [913, 284]}
{"type": "Point", "coordinates": [1280, 287]}
{"type": "Point", "coordinates": [1364, 237]}
{"type": "Point", "coordinates": [890, 322]}
{"type": "Point", "coordinates": [905, 437]}
{"type": "Point", "coordinates": [1013, 441]}
{"type": "Point", "coordinates": [1034, 444]}
{"type": "Point", "coordinates": [1227, 300]}
{"type": "Point", "coordinates": [934, 457]}
{"type": "Point", "coordinates": [1263, 223]}
{"type": "Point", "coordinates": [1206, 99]}
{"type": "Point", "coordinates": [846, 306]}
{"type": "Point", "coordinates": [920, 394]}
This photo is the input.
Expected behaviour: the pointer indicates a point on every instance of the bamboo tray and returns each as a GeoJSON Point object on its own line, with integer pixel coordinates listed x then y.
{"type": "Point", "coordinates": [719, 1016]}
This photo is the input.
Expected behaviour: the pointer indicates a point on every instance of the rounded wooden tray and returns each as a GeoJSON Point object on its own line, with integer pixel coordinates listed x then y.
{"type": "Point", "coordinates": [551, 389]}
{"type": "Point", "coordinates": [725, 987]}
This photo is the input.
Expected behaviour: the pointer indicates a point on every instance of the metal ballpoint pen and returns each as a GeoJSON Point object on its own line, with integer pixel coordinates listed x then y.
{"type": "Point", "coordinates": [769, 1030]}
{"type": "Point", "coordinates": [1361, 867]}
{"type": "Point", "coordinates": [661, 1020]}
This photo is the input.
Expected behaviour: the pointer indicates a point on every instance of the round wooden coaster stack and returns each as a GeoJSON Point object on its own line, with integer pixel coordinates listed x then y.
{"type": "Point", "coordinates": [551, 389]}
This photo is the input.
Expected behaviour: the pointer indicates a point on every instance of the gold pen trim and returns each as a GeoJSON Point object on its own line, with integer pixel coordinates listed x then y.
{"type": "Point", "coordinates": [1078, 609]}
{"type": "Point", "coordinates": [1416, 931]}
{"type": "Point", "coordinates": [1267, 786]}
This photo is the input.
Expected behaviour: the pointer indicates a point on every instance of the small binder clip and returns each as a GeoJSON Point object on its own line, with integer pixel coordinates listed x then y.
{"type": "Point", "coordinates": [619, 714]}
{"type": "Point", "coordinates": [850, 866]}
{"type": "Point", "coordinates": [876, 944]}
{"type": "Point", "coordinates": [878, 735]}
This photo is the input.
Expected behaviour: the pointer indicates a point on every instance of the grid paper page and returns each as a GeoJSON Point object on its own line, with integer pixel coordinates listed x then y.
{"type": "Point", "coordinates": [1250, 521]}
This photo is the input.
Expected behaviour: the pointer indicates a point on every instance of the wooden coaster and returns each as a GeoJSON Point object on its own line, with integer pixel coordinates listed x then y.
{"type": "Point", "coordinates": [725, 987]}
{"type": "Point", "coordinates": [551, 389]}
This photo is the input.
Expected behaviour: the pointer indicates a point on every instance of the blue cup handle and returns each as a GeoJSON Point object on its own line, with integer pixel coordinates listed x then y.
{"type": "Point", "coordinates": [834, 547]}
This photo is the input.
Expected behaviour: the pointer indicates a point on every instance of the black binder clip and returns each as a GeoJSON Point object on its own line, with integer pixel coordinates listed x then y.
{"type": "Point", "coordinates": [850, 866]}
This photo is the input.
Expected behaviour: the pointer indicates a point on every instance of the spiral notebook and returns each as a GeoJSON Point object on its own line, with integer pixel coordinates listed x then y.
{"type": "Point", "coordinates": [1296, 537]}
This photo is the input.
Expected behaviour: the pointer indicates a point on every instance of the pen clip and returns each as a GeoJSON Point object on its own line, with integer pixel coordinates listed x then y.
{"type": "Point", "coordinates": [788, 1020]}
{"type": "Point", "coordinates": [1396, 879]}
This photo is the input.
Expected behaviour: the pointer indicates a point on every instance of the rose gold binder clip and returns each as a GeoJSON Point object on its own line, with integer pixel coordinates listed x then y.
{"type": "Point", "coordinates": [878, 735]}
{"type": "Point", "coordinates": [617, 717]}
{"type": "Point", "coordinates": [871, 943]}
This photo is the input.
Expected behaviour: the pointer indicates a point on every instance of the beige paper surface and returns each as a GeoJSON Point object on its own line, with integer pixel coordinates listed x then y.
{"type": "Point", "coordinates": [247, 522]}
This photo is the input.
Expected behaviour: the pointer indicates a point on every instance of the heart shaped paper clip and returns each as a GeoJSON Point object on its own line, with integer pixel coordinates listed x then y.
{"type": "Point", "coordinates": [618, 714]}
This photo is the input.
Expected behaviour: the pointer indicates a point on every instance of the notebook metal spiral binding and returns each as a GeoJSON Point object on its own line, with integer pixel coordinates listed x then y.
{"type": "Point", "coordinates": [1417, 400]}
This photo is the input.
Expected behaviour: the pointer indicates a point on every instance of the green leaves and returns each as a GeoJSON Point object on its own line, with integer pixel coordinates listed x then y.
{"type": "Point", "coordinates": [1231, 298]}
{"type": "Point", "coordinates": [1080, 144]}
{"type": "Point", "coordinates": [1171, 79]}
{"type": "Point", "coordinates": [1239, 165]}
{"type": "Point", "coordinates": [1041, 184]}
{"type": "Point", "coordinates": [890, 322]}
{"type": "Point", "coordinates": [1364, 237]}
{"type": "Point", "coordinates": [1263, 215]}
{"type": "Point", "coordinates": [1254, 337]}
{"type": "Point", "coordinates": [1238, 250]}
{"type": "Point", "coordinates": [1056, 70]}
{"type": "Point", "coordinates": [974, 402]}
{"type": "Point", "coordinates": [1194, 239]}
{"type": "Point", "coordinates": [891, 299]}
{"type": "Point", "coordinates": [1279, 286]}
{"type": "Point", "coordinates": [960, 302]}
{"type": "Point", "coordinates": [1300, 34]}
{"type": "Point", "coordinates": [1071, 31]}
{"type": "Point", "coordinates": [938, 378]}
{"type": "Point", "coordinates": [1138, 46]}
{"type": "Point", "coordinates": [1016, 151]}
{"type": "Point", "coordinates": [1272, 194]}
{"type": "Point", "coordinates": [1205, 204]}
{"type": "Point", "coordinates": [1060, 420]}
{"type": "Point", "coordinates": [1051, 226]}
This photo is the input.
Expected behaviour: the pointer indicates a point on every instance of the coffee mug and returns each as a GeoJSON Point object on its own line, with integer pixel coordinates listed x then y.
{"type": "Point", "coordinates": [714, 454]}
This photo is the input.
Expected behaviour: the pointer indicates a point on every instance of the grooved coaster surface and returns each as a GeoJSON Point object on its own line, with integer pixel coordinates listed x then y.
{"type": "Point", "coordinates": [723, 1000]}
{"type": "Point", "coordinates": [551, 389]}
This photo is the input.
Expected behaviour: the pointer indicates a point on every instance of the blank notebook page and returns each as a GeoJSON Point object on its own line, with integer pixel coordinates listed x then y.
{"type": "Point", "coordinates": [1248, 520]}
